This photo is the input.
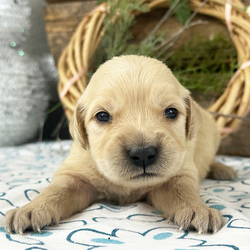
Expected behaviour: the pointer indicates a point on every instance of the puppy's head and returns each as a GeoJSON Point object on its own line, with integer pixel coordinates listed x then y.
{"type": "Point", "coordinates": [136, 120]}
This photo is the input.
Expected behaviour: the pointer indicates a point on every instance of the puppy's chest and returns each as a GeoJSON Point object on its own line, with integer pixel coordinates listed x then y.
{"type": "Point", "coordinates": [122, 196]}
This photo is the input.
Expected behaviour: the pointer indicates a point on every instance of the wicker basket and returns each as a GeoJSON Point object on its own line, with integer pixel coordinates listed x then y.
{"type": "Point", "coordinates": [74, 61]}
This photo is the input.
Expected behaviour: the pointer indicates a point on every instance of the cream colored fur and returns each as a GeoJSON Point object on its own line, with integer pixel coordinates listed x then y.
{"type": "Point", "coordinates": [135, 91]}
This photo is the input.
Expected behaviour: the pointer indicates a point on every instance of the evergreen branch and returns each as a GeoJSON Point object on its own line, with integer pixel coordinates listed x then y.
{"type": "Point", "coordinates": [172, 40]}
{"type": "Point", "coordinates": [164, 18]}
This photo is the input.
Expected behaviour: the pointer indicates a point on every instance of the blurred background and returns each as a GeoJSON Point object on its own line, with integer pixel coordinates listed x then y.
{"type": "Point", "coordinates": [28, 76]}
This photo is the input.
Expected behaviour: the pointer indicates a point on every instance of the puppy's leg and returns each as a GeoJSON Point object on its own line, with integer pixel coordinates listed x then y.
{"type": "Point", "coordinates": [65, 196]}
{"type": "Point", "coordinates": [219, 171]}
{"type": "Point", "coordinates": [179, 200]}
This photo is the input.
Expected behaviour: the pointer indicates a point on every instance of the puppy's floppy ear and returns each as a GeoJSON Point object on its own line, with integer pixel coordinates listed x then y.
{"type": "Point", "coordinates": [77, 126]}
{"type": "Point", "coordinates": [193, 119]}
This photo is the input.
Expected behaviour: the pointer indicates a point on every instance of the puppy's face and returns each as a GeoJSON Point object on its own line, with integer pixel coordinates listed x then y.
{"type": "Point", "coordinates": [135, 118]}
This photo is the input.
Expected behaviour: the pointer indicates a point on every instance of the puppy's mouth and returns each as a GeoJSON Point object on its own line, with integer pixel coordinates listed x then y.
{"type": "Point", "coordinates": [145, 175]}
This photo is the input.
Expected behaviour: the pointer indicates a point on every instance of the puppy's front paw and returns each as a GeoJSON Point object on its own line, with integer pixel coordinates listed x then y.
{"type": "Point", "coordinates": [202, 218]}
{"type": "Point", "coordinates": [29, 217]}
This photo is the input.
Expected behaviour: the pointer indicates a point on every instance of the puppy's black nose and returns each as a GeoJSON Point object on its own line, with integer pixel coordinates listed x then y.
{"type": "Point", "coordinates": [143, 157]}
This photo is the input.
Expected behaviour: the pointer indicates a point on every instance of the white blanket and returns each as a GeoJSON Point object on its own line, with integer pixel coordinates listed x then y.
{"type": "Point", "coordinates": [26, 170]}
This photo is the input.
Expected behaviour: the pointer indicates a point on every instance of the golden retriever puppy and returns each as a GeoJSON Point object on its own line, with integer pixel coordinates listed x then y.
{"type": "Point", "coordinates": [138, 135]}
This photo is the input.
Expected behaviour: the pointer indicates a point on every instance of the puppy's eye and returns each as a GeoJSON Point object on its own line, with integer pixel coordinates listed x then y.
{"type": "Point", "coordinates": [103, 117]}
{"type": "Point", "coordinates": [171, 113]}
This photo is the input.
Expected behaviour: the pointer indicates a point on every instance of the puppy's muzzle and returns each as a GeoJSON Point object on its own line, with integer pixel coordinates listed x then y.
{"type": "Point", "coordinates": [143, 157]}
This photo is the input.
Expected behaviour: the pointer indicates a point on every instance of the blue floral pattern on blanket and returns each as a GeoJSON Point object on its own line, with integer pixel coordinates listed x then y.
{"type": "Point", "coordinates": [26, 170]}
